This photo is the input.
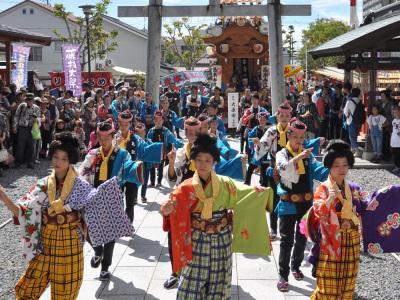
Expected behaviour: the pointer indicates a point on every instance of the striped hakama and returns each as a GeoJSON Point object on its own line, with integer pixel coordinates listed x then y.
{"type": "Point", "coordinates": [60, 263]}
{"type": "Point", "coordinates": [336, 279]}
{"type": "Point", "coordinates": [209, 274]}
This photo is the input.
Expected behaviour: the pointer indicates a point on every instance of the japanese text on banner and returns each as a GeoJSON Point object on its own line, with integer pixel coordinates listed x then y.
{"type": "Point", "coordinates": [233, 110]}
{"type": "Point", "coordinates": [72, 68]}
{"type": "Point", "coordinates": [20, 74]}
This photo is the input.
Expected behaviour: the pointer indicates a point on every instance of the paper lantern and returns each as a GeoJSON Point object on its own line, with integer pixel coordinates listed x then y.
{"type": "Point", "coordinates": [258, 48]}
{"type": "Point", "coordinates": [241, 22]}
{"type": "Point", "coordinates": [263, 28]}
{"type": "Point", "coordinates": [210, 50]}
{"type": "Point", "coordinates": [224, 48]}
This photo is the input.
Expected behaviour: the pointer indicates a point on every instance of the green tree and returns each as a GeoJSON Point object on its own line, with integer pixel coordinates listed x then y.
{"type": "Point", "coordinates": [101, 41]}
{"type": "Point", "coordinates": [317, 33]}
{"type": "Point", "coordinates": [289, 41]}
{"type": "Point", "coordinates": [184, 43]}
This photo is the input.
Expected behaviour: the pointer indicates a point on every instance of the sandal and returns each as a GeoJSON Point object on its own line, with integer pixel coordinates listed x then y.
{"type": "Point", "coordinates": [95, 261]}
{"type": "Point", "coordinates": [283, 285]}
{"type": "Point", "coordinates": [298, 275]}
{"type": "Point", "coordinates": [171, 282]}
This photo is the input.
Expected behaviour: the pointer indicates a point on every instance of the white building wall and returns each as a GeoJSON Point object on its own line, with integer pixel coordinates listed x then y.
{"type": "Point", "coordinates": [43, 22]}
{"type": "Point", "coordinates": [132, 49]}
{"type": "Point", "coordinates": [131, 52]}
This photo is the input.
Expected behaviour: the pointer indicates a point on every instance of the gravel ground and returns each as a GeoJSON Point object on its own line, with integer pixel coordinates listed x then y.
{"type": "Point", "coordinates": [17, 182]}
{"type": "Point", "coordinates": [378, 277]}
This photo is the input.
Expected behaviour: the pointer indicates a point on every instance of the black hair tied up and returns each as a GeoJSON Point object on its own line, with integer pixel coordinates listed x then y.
{"type": "Point", "coordinates": [338, 149]}
{"type": "Point", "coordinates": [66, 142]}
{"type": "Point", "coordinates": [205, 144]}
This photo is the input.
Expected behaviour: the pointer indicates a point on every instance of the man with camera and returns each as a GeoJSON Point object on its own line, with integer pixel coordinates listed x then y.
{"type": "Point", "coordinates": [23, 120]}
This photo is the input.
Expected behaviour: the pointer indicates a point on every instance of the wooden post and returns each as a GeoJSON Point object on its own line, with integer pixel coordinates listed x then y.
{"type": "Point", "coordinates": [154, 49]}
{"type": "Point", "coordinates": [276, 54]}
{"type": "Point", "coordinates": [8, 63]}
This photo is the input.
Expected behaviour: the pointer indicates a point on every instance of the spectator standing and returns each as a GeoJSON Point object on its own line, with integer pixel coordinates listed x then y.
{"type": "Point", "coordinates": [323, 107]}
{"type": "Point", "coordinates": [67, 114]}
{"type": "Point", "coordinates": [355, 117]}
{"type": "Point", "coordinates": [395, 139]}
{"type": "Point", "coordinates": [89, 118]}
{"type": "Point", "coordinates": [22, 126]}
{"type": "Point", "coordinates": [334, 122]}
{"type": "Point", "coordinates": [45, 127]}
{"type": "Point", "coordinates": [86, 93]}
{"type": "Point", "coordinates": [217, 99]}
{"type": "Point", "coordinates": [193, 102]}
{"type": "Point", "coordinates": [307, 113]}
{"type": "Point", "coordinates": [104, 111]}
{"type": "Point", "coordinates": [376, 123]}
{"type": "Point", "coordinates": [344, 134]}
{"type": "Point", "coordinates": [387, 107]}
{"type": "Point", "coordinates": [68, 95]}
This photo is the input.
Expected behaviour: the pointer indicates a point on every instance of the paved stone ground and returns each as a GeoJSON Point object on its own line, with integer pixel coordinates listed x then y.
{"type": "Point", "coordinates": [141, 265]}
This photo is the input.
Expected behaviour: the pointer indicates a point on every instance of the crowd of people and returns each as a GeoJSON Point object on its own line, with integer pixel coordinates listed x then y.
{"type": "Point", "coordinates": [126, 141]}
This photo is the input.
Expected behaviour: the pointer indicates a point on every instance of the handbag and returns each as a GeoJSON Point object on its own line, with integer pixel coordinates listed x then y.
{"type": "Point", "coordinates": [36, 131]}
{"type": "Point", "coordinates": [3, 155]}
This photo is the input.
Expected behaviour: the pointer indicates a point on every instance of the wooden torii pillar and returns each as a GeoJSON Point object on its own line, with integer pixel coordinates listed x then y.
{"type": "Point", "coordinates": [155, 11]}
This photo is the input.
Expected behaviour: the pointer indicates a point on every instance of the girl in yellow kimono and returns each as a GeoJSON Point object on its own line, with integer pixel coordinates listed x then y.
{"type": "Point", "coordinates": [201, 226]}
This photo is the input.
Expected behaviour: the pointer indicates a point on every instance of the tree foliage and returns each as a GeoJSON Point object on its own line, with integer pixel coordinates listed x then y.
{"type": "Point", "coordinates": [289, 41]}
{"type": "Point", "coordinates": [184, 43]}
{"type": "Point", "coordinates": [317, 33]}
{"type": "Point", "coordinates": [101, 41]}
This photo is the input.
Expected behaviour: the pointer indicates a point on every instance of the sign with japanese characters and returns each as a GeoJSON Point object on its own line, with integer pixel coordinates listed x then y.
{"type": "Point", "coordinates": [233, 110]}
{"type": "Point", "coordinates": [72, 68]}
{"type": "Point", "coordinates": [19, 75]}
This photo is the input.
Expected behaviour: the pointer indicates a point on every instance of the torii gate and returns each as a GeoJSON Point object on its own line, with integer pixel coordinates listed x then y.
{"type": "Point", "coordinates": [155, 11]}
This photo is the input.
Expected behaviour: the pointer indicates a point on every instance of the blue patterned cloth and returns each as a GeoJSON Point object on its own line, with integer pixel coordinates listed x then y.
{"type": "Point", "coordinates": [105, 215]}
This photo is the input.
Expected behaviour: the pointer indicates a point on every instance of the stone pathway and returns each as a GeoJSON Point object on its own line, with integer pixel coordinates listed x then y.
{"type": "Point", "coordinates": [141, 265]}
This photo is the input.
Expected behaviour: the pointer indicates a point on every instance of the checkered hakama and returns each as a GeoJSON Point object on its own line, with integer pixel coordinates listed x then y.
{"type": "Point", "coordinates": [336, 279]}
{"type": "Point", "coordinates": [60, 264]}
{"type": "Point", "coordinates": [209, 274]}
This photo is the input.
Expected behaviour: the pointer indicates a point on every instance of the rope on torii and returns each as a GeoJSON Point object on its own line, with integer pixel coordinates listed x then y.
{"type": "Point", "coordinates": [155, 11]}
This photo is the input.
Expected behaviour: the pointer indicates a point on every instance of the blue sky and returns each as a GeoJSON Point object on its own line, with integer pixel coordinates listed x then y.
{"type": "Point", "coordinates": [338, 9]}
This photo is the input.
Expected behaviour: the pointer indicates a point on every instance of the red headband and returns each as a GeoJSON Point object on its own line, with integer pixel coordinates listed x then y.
{"type": "Point", "coordinates": [192, 123]}
{"type": "Point", "coordinates": [158, 114]}
{"type": "Point", "coordinates": [297, 130]}
{"type": "Point", "coordinates": [263, 114]}
{"type": "Point", "coordinates": [204, 119]}
{"type": "Point", "coordinates": [125, 120]}
{"type": "Point", "coordinates": [285, 107]}
{"type": "Point", "coordinates": [111, 130]}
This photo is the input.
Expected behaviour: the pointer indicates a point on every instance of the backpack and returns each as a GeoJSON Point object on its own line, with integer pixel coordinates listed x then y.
{"type": "Point", "coordinates": [359, 115]}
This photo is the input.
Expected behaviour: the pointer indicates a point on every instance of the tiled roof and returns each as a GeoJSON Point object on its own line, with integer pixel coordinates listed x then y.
{"type": "Point", "coordinates": [16, 34]}
{"type": "Point", "coordinates": [363, 38]}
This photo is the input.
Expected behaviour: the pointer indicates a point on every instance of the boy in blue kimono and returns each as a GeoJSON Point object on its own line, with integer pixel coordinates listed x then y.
{"type": "Point", "coordinates": [255, 135]}
{"type": "Point", "coordinates": [148, 110]}
{"type": "Point", "coordinates": [139, 150]}
{"type": "Point", "coordinates": [297, 168]}
{"type": "Point", "coordinates": [171, 119]}
{"type": "Point", "coordinates": [212, 110]}
{"type": "Point", "coordinates": [160, 133]}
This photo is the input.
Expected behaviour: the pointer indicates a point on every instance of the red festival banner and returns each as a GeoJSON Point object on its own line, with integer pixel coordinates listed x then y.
{"type": "Point", "coordinates": [99, 79]}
